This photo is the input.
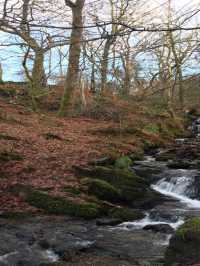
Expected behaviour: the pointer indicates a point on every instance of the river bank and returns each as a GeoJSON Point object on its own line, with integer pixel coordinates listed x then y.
{"type": "Point", "coordinates": [57, 240]}
{"type": "Point", "coordinates": [41, 151]}
{"type": "Point", "coordinates": [93, 170]}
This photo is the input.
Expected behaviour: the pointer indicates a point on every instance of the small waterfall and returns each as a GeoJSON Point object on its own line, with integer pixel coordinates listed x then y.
{"type": "Point", "coordinates": [179, 187]}
{"type": "Point", "coordinates": [178, 184]}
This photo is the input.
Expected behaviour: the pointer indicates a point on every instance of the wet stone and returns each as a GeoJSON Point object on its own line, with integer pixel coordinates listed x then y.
{"type": "Point", "coordinates": [161, 228]}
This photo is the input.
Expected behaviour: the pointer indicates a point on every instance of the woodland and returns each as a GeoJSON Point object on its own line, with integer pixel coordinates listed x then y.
{"type": "Point", "coordinates": [99, 132]}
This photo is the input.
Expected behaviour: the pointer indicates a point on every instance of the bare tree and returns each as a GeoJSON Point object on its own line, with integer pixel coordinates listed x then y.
{"type": "Point", "coordinates": [74, 53]}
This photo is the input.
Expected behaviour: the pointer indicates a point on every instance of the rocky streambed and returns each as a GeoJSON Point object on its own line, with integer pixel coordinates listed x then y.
{"type": "Point", "coordinates": [61, 240]}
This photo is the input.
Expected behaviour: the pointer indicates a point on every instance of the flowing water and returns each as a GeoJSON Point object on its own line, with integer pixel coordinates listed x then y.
{"type": "Point", "coordinates": [177, 188]}
{"type": "Point", "coordinates": [21, 242]}
{"type": "Point", "coordinates": [177, 184]}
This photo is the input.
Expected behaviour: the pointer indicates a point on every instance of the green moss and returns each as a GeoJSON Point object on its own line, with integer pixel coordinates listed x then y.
{"type": "Point", "coordinates": [103, 190]}
{"type": "Point", "coordinates": [139, 155]}
{"type": "Point", "coordinates": [184, 247]}
{"type": "Point", "coordinates": [61, 206]}
{"type": "Point", "coordinates": [123, 162]}
{"type": "Point", "coordinates": [73, 190]}
{"type": "Point", "coordinates": [131, 186]}
{"type": "Point", "coordinates": [126, 214]}
{"type": "Point", "coordinates": [10, 156]}
{"type": "Point", "coordinates": [191, 226]}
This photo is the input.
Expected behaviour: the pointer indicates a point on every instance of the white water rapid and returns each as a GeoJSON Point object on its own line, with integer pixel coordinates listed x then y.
{"type": "Point", "coordinates": [176, 184]}
{"type": "Point", "coordinates": [178, 188]}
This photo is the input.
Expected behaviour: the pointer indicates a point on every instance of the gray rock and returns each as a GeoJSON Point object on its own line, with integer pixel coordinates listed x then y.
{"type": "Point", "coordinates": [159, 228]}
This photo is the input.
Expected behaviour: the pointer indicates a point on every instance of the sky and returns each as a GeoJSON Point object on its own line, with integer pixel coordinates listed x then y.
{"type": "Point", "coordinates": [11, 57]}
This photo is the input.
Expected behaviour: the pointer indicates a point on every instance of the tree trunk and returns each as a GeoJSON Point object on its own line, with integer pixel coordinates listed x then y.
{"type": "Point", "coordinates": [92, 80]}
{"type": "Point", "coordinates": [83, 97]}
{"type": "Point", "coordinates": [1, 73]}
{"type": "Point", "coordinates": [72, 76]}
{"type": "Point", "coordinates": [180, 86]}
{"type": "Point", "coordinates": [127, 78]}
{"type": "Point", "coordinates": [38, 73]}
{"type": "Point", "coordinates": [104, 64]}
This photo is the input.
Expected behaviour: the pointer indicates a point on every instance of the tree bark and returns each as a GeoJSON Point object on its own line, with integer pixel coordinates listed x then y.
{"type": "Point", "coordinates": [180, 86]}
{"type": "Point", "coordinates": [127, 77]}
{"type": "Point", "coordinates": [38, 73]}
{"type": "Point", "coordinates": [72, 76]}
{"type": "Point", "coordinates": [92, 79]}
{"type": "Point", "coordinates": [104, 64]}
{"type": "Point", "coordinates": [1, 73]}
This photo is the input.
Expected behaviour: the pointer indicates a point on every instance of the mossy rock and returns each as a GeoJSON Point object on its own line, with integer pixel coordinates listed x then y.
{"type": "Point", "coordinates": [149, 145]}
{"type": "Point", "coordinates": [61, 206]}
{"type": "Point", "coordinates": [6, 156]}
{"type": "Point", "coordinates": [123, 162]}
{"type": "Point", "coordinates": [73, 190]}
{"type": "Point", "coordinates": [103, 190]}
{"type": "Point", "coordinates": [190, 228]}
{"type": "Point", "coordinates": [126, 214]}
{"type": "Point", "coordinates": [132, 187]}
{"type": "Point", "coordinates": [139, 155]}
{"type": "Point", "coordinates": [165, 156]}
{"type": "Point", "coordinates": [103, 161]}
{"type": "Point", "coordinates": [184, 247]}
{"type": "Point", "coordinates": [56, 205]}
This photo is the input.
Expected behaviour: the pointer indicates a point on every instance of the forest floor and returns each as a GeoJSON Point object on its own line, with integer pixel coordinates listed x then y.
{"type": "Point", "coordinates": [41, 150]}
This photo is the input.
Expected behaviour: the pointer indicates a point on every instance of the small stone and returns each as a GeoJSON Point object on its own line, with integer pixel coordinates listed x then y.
{"type": "Point", "coordinates": [161, 228]}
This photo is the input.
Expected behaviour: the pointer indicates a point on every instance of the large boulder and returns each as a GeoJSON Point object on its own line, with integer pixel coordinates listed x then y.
{"type": "Point", "coordinates": [102, 189]}
{"type": "Point", "coordinates": [151, 172]}
{"type": "Point", "coordinates": [126, 214]}
{"type": "Point", "coordinates": [184, 247]}
{"type": "Point", "coordinates": [56, 204]}
{"type": "Point", "coordinates": [134, 190]}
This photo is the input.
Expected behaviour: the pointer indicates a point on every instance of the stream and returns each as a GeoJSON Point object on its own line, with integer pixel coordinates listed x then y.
{"type": "Point", "coordinates": [39, 240]}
